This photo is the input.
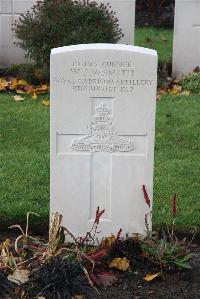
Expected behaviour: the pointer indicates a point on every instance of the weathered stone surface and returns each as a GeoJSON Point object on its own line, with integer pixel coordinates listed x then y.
{"type": "Point", "coordinates": [103, 100]}
{"type": "Point", "coordinates": [9, 12]}
{"type": "Point", "coordinates": [186, 49]}
{"type": "Point", "coordinates": [125, 13]}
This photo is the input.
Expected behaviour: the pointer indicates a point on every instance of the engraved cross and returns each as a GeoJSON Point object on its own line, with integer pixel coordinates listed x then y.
{"type": "Point", "coordinates": [103, 143]}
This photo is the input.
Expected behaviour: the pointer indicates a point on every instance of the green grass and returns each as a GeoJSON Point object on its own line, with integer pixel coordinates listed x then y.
{"type": "Point", "coordinates": [24, 141]}
{"type": "Point", "coordinates": [24, 148]}
{"type": "Point", "coordinates": [156, 38]}
{"type": "Point", "coordinates": [177, 163]}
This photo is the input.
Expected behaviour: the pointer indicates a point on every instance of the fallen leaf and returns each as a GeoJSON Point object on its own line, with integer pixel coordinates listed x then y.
{"type": "Point", "coordinates": [34, 96]}
{"type": "Point", "coordinates": [163, 90]}
{"type": "Point", "coordinates": [19, 276]}
{"type": "Point", "coordinates": [176, 89]}
{"type": "Point", "coordinates": [103, 278]}
{"type": "Point", "coordinates": [185, 93]}
{"type": "Point", "coordinates": [120, 263]}
{"type": "Point", "coordinates": [3, 84]}
{"type": "Point", "coordinates": [42, 88]}
{"type": "Point", "coordinates": [18, 98]}
{"type": "Point", "coordinates": [108, 241]}
{"type": "Point", "coordinates": [28, 89]}
{"type": "Point", "coordinates": [150, 277]}
{"type": "Point", "coordinates": [46, 103]}
{"type": "Point", "coordinates": [13, 84]}
{"type": "Point", "coordinates": [20, 91]}
{"type": "Point", "coordinates": [22, 82]}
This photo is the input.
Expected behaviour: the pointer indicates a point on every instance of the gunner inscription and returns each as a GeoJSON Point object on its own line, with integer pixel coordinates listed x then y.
{"type": "Point", "coordinates": [104, 76]}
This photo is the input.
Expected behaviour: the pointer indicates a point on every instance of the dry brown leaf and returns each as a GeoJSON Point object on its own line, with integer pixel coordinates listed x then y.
{"type": "Point", "coordinates": [28, 89]}
{"type": "Point", "coordinates": [3, 84]}
{"type": "Point", "coordinates": [176, 89]}
{"type": "Point", "coordinates": [18, 98]}
{"type": "Point", "coordinates": [162, 90]}
{"type": "Point", "coordinates": [42, 89]}
{"type": "Point", "coordinates": [13, 84]}
{"type": "Point", "coordinates": [108, 241]}
{"type": "Point", "coordinates": [150, 277]}
{"type": "Point", "coordinates": [19, 276]}
{"type": "Point", "coordinates": [120, 263]}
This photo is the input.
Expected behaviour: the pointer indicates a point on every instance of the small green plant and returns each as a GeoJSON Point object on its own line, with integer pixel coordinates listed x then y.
{"type": "Point", "coordinates": [191, 82]}
{"type": "Point", "coordinates": [166, 252]}
{"type": "Point", "coordinates": [164, 249]}
{"type": "Point", "coordinates": [55, 23]}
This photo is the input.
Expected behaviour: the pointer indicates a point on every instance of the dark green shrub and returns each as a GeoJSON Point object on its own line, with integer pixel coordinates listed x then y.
{"type": "Point", "coordinates": [54, 23]}
{"type": "Point", "coordinates": [29, 72]}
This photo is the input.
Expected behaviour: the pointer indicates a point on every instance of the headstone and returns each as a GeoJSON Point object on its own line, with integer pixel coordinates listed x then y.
{"type": "Point", "coordinates": [125, 13]}
{"type": "Point", "coordinates": [186, 49]}
{"type": "Point", "coordinates": [103, 101]}
{"type": "Point", "coordinates": [10, 11]}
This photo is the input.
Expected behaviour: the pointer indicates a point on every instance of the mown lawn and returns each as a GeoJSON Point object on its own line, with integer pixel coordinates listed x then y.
{"type": "Point", "coordinates": [24, 148]}
{"type": "Point", "coordinates": [156, 38]}
{"type": "Point", "coordinates": [177, 160]}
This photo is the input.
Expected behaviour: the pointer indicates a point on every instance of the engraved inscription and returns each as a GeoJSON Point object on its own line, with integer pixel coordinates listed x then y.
{"type": "Point", "coordinates": [103, 76]}
{"type": "Point", "coordinates": [196, 26]}
{"type": "Point", "coordinates": [102, 135]}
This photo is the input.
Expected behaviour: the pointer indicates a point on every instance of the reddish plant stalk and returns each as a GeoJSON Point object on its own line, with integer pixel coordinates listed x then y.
{"type": "Point", "coordinates": [146, 196]}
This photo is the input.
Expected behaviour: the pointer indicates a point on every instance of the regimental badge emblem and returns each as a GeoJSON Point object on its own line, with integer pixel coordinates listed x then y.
{"type": "Point", "coordinates": [102, 135]}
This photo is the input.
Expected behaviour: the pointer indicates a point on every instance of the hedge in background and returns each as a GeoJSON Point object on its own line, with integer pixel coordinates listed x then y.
{"type": "Point", "coordinates": [55, 23]}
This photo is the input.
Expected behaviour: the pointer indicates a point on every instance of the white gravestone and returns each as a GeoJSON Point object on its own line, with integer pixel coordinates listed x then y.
{"type": "Point", "coordinates": [103, 101]}
{"type": "Point", "coordinates": [186, 49]}
{"type": "Point", "coordinates": [125, 13]}
{"type": "Point", "coordinates": [10, 11]}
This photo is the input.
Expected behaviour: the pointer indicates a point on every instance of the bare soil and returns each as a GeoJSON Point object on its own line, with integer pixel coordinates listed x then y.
{"type": "Point", "coordinates": [131, 284]}
{"type": "Point", "coordinates": [182, 284]}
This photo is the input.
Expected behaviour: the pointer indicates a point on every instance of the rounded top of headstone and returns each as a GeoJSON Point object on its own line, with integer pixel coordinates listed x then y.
{"type": "Point", "coordinates": [119, 47]}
